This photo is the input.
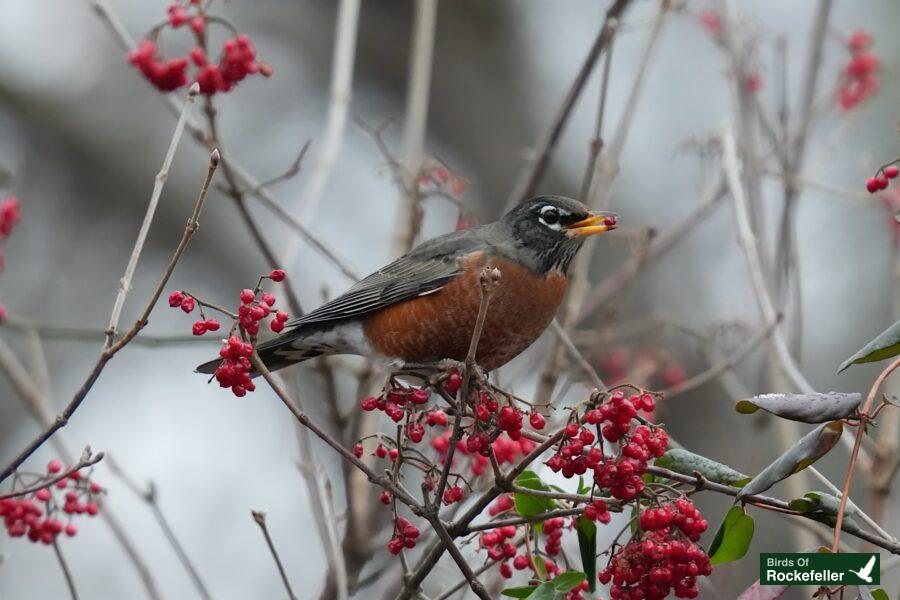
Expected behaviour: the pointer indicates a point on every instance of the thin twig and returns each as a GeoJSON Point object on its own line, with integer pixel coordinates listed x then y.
{"type": "Point", "coordinates": [158, 184]}
{"type": "Point", "coordinates": [151, 498]}
{"type": "Point", "coordinates": [860, 432]}
{"type": "Point", "coordinates": [86, 460]}
{"type": "Point", "coordinates": [417, 93]}
{"type": "Point", "coordinates": [106, 355]}
{"type": "Point", "coordinates": [489, 279]}
{"type": "Point", "coordinates": [70, 583]}
{"type": "Point", "coordinates": [260, 518]}
{"type": "Point", "coordinates": [532, 174]}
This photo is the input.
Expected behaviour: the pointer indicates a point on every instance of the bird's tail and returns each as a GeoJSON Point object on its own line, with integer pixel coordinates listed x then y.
{"type": "Point", "coordinates": [278, 353]}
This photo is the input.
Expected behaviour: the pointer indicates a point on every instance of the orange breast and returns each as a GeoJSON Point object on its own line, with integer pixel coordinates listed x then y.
{"type": "Point", "coordinates": [440, 325]}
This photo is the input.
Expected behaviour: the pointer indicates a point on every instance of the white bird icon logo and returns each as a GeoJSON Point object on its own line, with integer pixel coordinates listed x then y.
{"type": "Point", "coordinates": [866, 572]}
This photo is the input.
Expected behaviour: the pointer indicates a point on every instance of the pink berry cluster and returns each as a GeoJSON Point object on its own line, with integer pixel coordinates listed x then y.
{"type": "Point", "coordinates": [663, 559]}
{"type": "Point", "coordinates": [498, 545]}
{"type": "Point", "coordinates": [881, 179]}
{"type": "Point", "coordinates": [10, 212]}
{"type": "Point", "coordinates": [236, 61]}
{"type": "Point", "coordinates": [405, 535]}
{"type": "Point", "coordinates": [36, 516]}
{"type": "Point", "coordinates": [859, 82]}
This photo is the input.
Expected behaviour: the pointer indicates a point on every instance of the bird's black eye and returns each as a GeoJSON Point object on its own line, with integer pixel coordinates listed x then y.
{"type": "Point", "coordinates": [550, 215]}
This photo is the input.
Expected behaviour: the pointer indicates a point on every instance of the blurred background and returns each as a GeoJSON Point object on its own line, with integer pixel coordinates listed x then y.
{"type": "Point", "coordinates": [83, 134]}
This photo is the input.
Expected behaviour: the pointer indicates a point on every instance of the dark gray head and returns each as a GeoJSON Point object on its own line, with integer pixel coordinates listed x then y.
{"type": "Point", "coordinates": [549, 230]}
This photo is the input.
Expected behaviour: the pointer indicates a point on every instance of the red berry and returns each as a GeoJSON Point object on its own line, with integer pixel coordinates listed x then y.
{"type": "Point", "coordinates": [277, 275]}
{"type": "Point", "coordinates": [71, 530]}
{"type": "Point", "coordinates": [187, 305]}
{"type": "Point", "coordinates": [872, 185]}
{"type": "Point", "coordinates": [358, 450]}
{"type": "Point", "coordinates": [199, 328]}
{"type": "Point", "coordinates": [882, 182]}
{"type": "Point", "coordinates": [537, 420]}
{"type": "Point", "coordinates": [892, 171]}
{"type": "Point", "coordinates": [175, 299]}
{"type": "Point", "coordinates": [212, 325]}
{"type": "Point", "coordinates": [54, 466]}
{"type": "Point", "coordinates": [453, 382]}
{"type": "Point", "coordinates": [43, 495]}
{"type": "Point", "coordinates": [247, 296]}
{"type": "Point", "coordinates": [276, 325]}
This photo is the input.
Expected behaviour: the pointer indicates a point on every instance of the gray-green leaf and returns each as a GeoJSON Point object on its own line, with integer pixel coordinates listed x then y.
{"type": "Point", "coordinates": [806, 408]}
{"type": "Point", "coordinates": [733, 537]}
{"type": "Point", "coordinates": [686, 463]}
{"type": "Point", "coordinates": [886, 345]}
{"type": "Point", "coordinates": [808, 450]}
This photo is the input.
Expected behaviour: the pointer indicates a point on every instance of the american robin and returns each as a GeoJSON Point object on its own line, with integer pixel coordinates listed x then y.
{"type": "Point", "coordinates": [422, 307]}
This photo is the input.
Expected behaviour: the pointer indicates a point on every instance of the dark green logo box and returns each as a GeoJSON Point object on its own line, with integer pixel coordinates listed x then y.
{"type": "Point", "coordinates": [813, 568]}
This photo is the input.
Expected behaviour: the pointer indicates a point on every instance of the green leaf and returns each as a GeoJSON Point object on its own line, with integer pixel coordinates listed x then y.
{"type": "Point", "coordinates": [733, 537]}
{"type": "Point", "coordinates": [684, 462]}
{"type": "Point", "coordinates": [806, 408]}
{"type": "Point", "coordinates": [546, 591]}
{"type": "Point", "coordinates": [566, 582]}
{"type": "Point", "coordinates": [805, 452]}
{"type": "Point", "coordinates": [587, 545]}
{"type": "Point", "coordinates": [879, 594]}
{"type": "Point", "coordinates": [886, 345]}
{"type": "Point", "coordinates": [522, 591]}
{"type": "Point", "coordinates": [527, 505]}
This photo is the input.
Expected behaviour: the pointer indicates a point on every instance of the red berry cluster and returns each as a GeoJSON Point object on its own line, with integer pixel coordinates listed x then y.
{"type": "Point", "coordinates": [453, 494]}
{"type": "Point", "coordinates": [597, 511]}
{"type": "Point", "coordinates": [880, 181]}
{"type": "Point", "coordinates": [35, 517]}
{"type": "Point", "coordinates": [503, 503]}
{"type": "Point", "coordinates": [623, 474]}
{"type": "Point", "coordinates": [236, 62]}
{"type": "Point", "coordinates": [682, 514]}
{"type": "Point", "coordinates": [661, 561]}
{"type": "Point", "coordinates": [859, 82]}
{"type": "Point", "coordinates": [505, 449]}
{"type": "Point", "coordinates": [553, 528]}
{"type": "Point", "coordinates": [9, 217]}
{"type": "Point", "coordinates": [497, 544]}
{"type": "Point", "coordinates": [405, 534]}
{"type": "Point", "coordinates": [234, 371]}
{"type": "Point", "coordinates": [255, 305]}
{"type": "Point", "coordinates": [396, 400]}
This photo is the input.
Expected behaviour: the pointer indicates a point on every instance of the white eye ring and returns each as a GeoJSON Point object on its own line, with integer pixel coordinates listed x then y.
{"type": "Point", "coordinates": [554, 222]}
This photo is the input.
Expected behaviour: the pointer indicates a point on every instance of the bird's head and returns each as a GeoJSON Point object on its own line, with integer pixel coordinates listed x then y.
{"type": "Point", "coordinates": [551, 229]}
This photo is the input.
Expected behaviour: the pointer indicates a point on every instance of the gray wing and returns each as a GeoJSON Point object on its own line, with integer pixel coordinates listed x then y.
{"type": "Point", "coordinates": [424, 270]}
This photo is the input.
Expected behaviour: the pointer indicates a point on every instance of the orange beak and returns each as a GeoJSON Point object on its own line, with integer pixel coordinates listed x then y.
{"type": "Point", "coordinates": [598, 222]}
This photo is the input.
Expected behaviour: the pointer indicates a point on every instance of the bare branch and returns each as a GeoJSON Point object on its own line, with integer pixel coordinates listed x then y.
{"type": "Point", "coordinates": [159, 182]}
{"type": "Point", "coordinates": [260, 518]}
